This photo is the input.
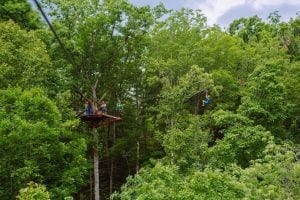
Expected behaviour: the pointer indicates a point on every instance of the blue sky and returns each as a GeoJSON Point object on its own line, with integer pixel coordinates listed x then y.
{"type": "Point", "coordinates": [223, 12]}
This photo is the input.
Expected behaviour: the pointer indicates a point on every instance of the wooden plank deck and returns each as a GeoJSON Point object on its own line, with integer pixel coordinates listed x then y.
{"type": "Point", "coordinates": [97, 120]}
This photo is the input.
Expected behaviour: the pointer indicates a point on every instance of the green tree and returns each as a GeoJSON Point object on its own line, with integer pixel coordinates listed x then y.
{"type": "Point", "coordinates": [166, 182]}
{"type": "Point", "coordinates": [236, 140]}
{"type": "Point", "coordinates": [247, 28]}
{"type": "Point", "coordinates": [34, 191]}
{"type": "Point", "coordinates": [24, 61]}
{"type": "Point", "coordinates": [107, 41]}
{"type": "Point", "coordinates": [221, 154]}
{"type": "Point", "coordinates": [175, 97]}
{"type": "Point", "coordinates": [187, 146]}
{"type": "Point", "coordinates": [36, 145]}
{"type": "Point", "coordinates": [293, 43]}
{"type": "Point", "coordinates": [265, 99]}
{"type": "Point", "coordinates": [20, 12]}
{"type": "Point", "coordinates": [292, 84]}
{"type": "Point", "coordinates": [276, 176]}
{"type": "Point", "coordinates": [240, 145]}
{"type": "Point", "coordinates": [229, 94]}
{"type": "Point", "coordinates": [173, 48]}
{"type": "Point", "coordinates": [213, 185]}
{"type": "Point", "coordinates": [159, 63]}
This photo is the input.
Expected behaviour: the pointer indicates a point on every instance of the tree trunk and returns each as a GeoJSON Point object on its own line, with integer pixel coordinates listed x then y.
{"type": "Point", "coordinates": [94, 102]}
{"type": "Point", "coordinates": [138, 103]}
{"type": "Point", "coordinates": [145, 134]}
{"type": "Point", "coordinates": [106, 145]}
{"type": "Point", "coordinates": [96, 165]}
{"type": "Point", "coordinates": [197, 101]}
{"type": "Point", "coordinates": [137, 165]}
{"type": "Point", "coordinates": [91, 180]}
{"type": "Point", "coordinates": [111, 177]}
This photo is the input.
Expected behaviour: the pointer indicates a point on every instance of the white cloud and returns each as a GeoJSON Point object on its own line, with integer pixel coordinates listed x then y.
{"type": "Point", "coordinates": [214, 9]}
{"type": "Point", "coordinates": [260, 4]}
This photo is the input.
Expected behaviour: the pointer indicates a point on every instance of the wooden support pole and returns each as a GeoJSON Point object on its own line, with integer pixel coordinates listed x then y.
{"type": "Point", "coordinates": [91, 181]}
{"type": "Point", "coordinates": [137, 165]}
{"type": "Point", "coordinates": [111, 177]}
{"type": "Point", "coordinates": [96, 165]}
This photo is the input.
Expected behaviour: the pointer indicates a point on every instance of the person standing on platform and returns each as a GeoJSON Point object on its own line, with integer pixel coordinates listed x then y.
{"type": "Point", "coordinates": [103, 107]}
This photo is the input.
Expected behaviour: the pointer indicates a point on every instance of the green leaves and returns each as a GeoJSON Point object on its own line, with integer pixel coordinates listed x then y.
{"type": "Point", "coordinates": [36, 146]}
{"type": "Point", "coordinates": [187, 147]}
{"type": "Point", "coordinates": [34, 191]}
{"type": "Point", "coordinates": [266, 102]}
{"type": "Point", "coordinates": [175, 99]}
{"type": "Point", "coordinates": [20, 12]}
{"type": "Point", "coordinates": [214, 185]}
{"type": "Point", "coordinates": [226, 119]}
{"type": "Point", "coordinates": [165, 182]}
{"type": "Point", "coordinates": [247, 28]}
{"type": "Point", "coordinates": [275, 176]}
{"type": "Point", "coordinates": [152, 184]}
{"type": "Point", "coordinates": [240, 145]}
{"type": "Point", "coordinates": [24, 61]}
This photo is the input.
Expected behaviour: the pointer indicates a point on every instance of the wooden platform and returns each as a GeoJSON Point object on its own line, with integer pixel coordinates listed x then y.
{"type": "Point", "coordinates": [97, 120]}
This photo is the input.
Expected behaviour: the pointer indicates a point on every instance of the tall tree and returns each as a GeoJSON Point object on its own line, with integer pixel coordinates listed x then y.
{"type": "Point", "coordinates": [107, 40]}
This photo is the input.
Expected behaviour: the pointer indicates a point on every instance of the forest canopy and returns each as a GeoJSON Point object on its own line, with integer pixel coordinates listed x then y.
{"type": "Point", "coordinates": [207, 113]}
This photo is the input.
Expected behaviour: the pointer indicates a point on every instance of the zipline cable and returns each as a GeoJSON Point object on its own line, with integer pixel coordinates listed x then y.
{"type": "Point", "coordinates": [67, 54]}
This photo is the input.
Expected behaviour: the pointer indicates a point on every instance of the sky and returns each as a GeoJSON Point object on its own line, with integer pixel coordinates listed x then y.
{"type": "Point", "coordinates": [223, 12]}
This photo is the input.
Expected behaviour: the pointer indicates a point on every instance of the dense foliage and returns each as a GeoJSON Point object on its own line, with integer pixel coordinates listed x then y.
{"type": "Point", "coordinates": [160, 64]}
